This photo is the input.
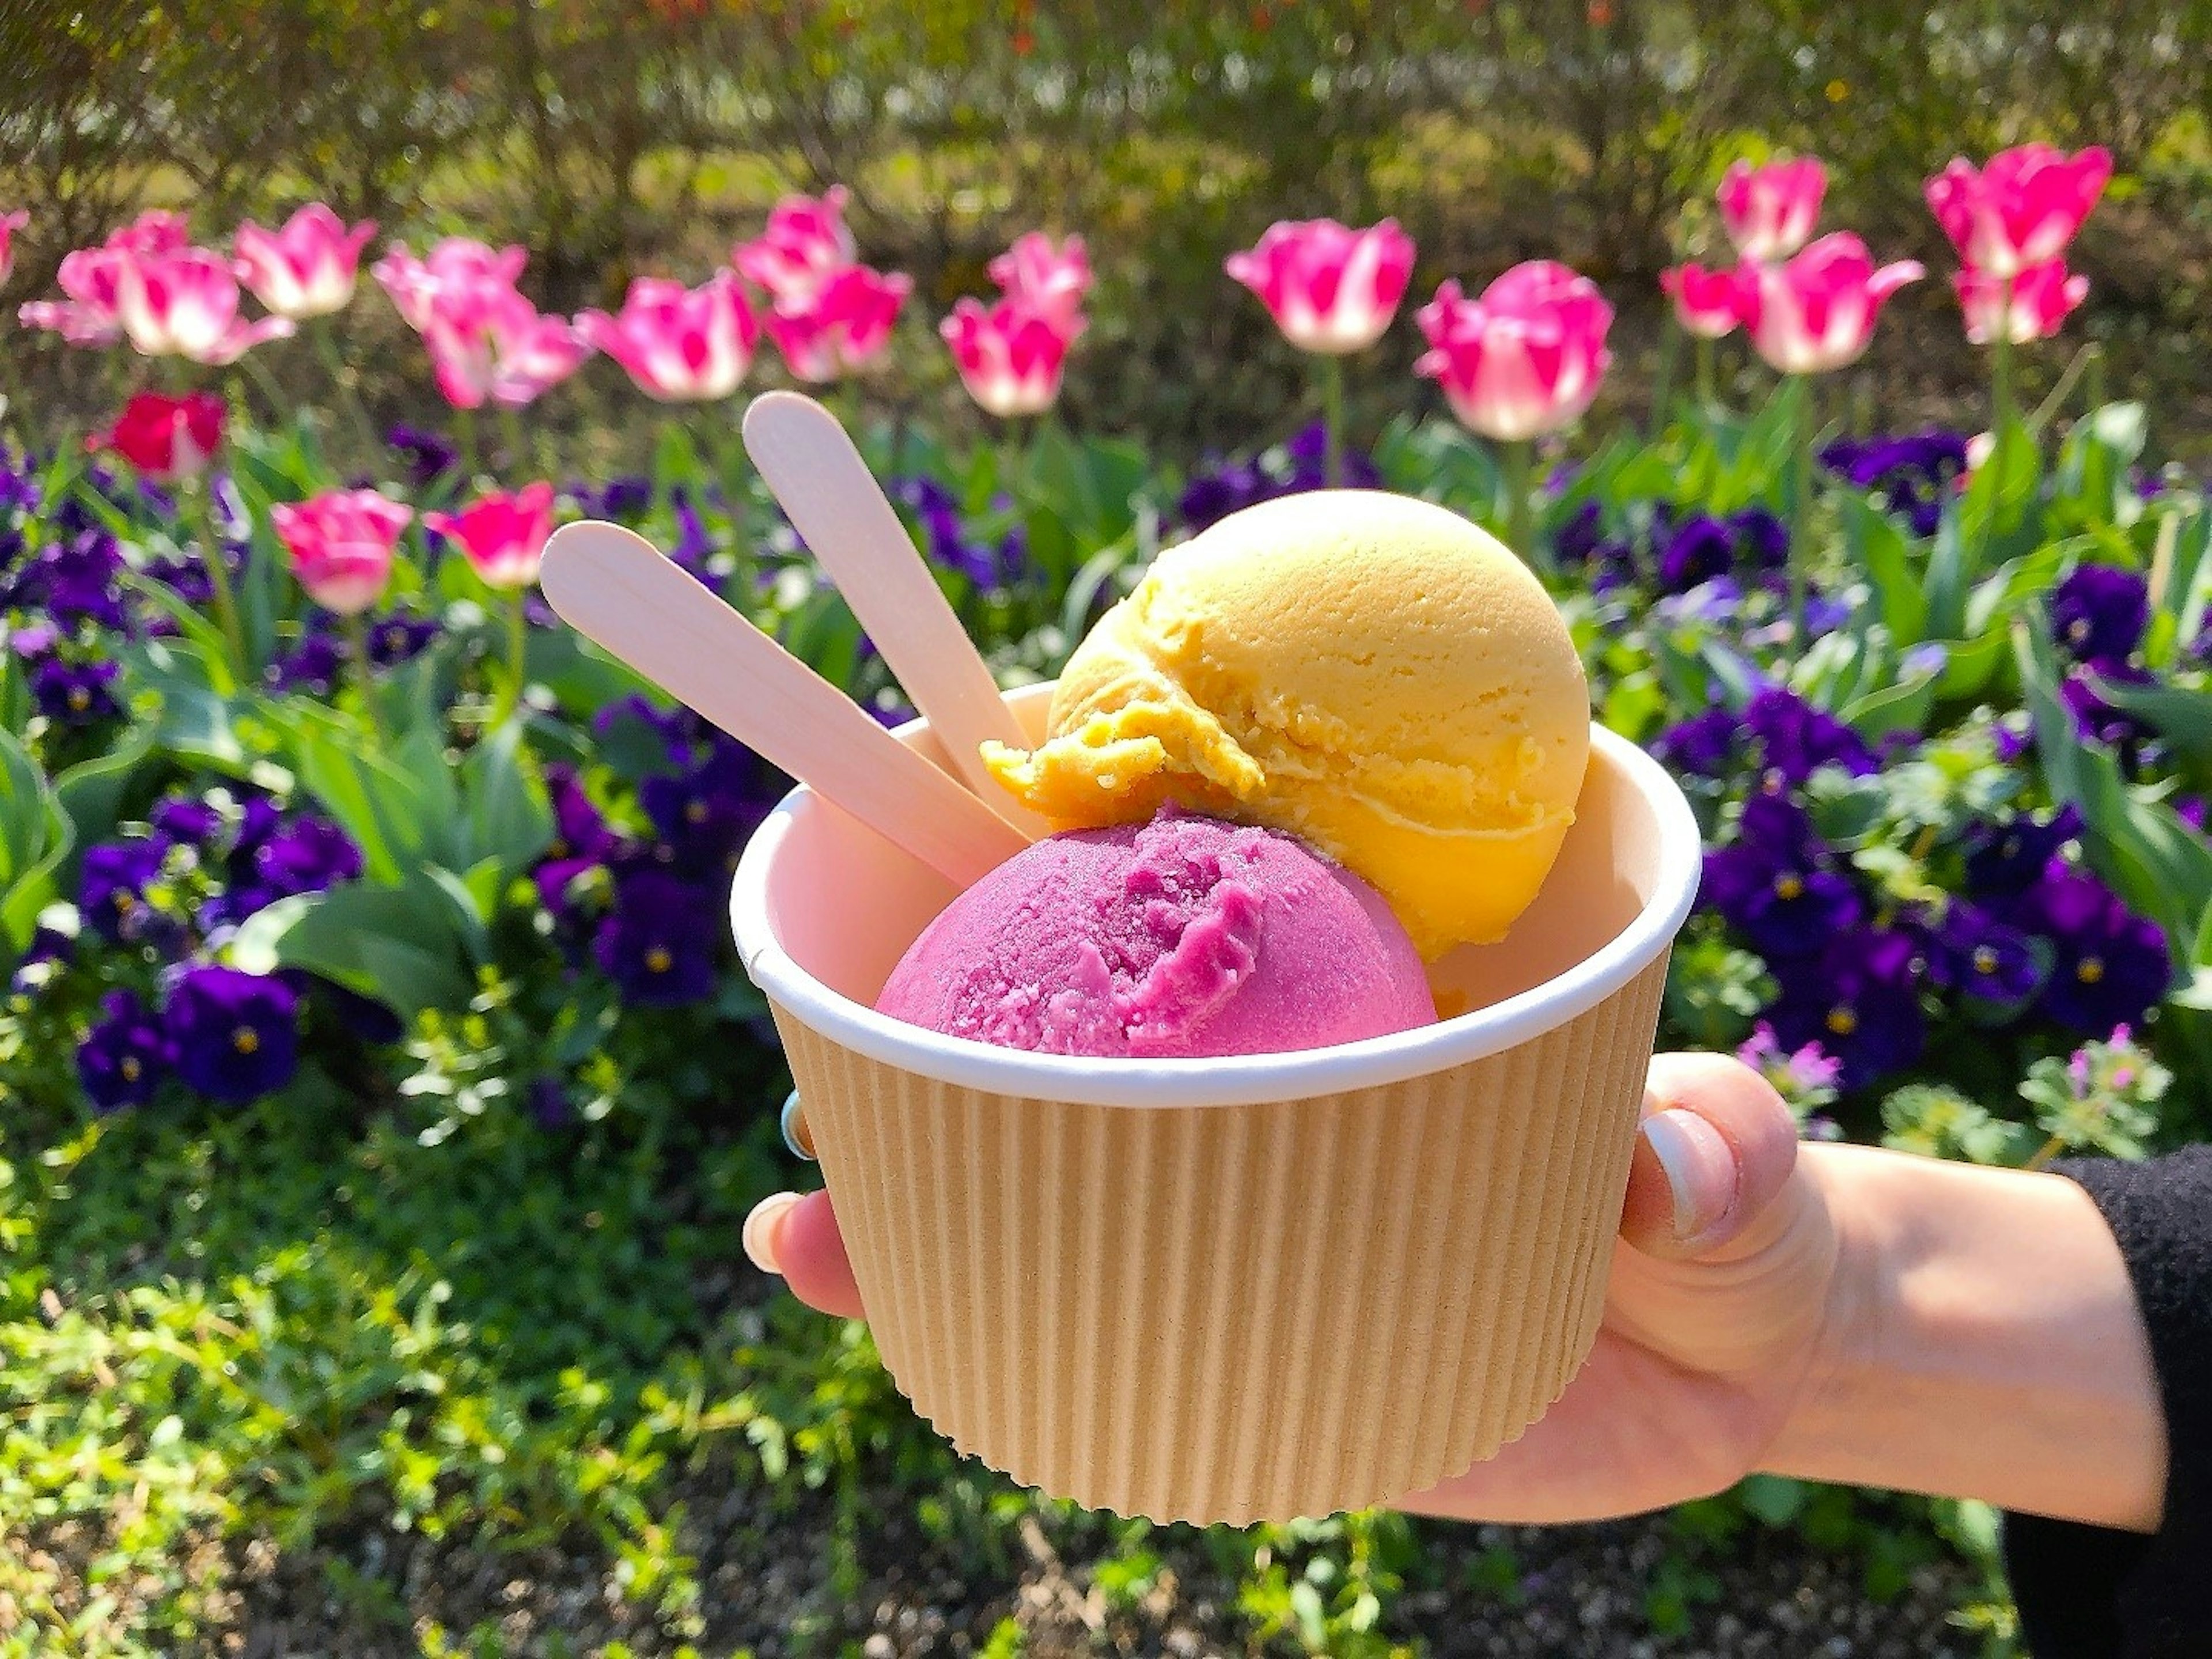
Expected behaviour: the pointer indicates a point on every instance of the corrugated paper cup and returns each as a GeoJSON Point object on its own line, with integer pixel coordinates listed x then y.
{"type": "Point", "coordinates": [1243, 1289]}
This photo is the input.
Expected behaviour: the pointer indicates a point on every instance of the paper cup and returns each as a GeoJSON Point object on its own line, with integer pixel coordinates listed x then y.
{"type": "Point", "coordinates": [1241, 1289]}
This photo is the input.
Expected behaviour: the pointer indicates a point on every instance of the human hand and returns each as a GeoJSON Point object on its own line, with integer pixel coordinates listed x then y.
{"type": "Point", "coordinates": [1719, 1283]}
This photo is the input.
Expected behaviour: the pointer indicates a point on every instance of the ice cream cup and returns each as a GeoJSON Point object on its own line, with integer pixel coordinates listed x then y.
{"type": "Point", "coordinates": [1240, 1289]}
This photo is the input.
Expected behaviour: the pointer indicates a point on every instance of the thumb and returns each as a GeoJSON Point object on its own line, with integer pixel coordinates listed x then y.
{"type": "Point", "coordinates": [1716, 1146]}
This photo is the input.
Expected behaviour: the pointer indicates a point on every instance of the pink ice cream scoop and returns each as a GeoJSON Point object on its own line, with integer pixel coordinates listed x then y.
{"type": "Point", "coordinates": [1182, 937]}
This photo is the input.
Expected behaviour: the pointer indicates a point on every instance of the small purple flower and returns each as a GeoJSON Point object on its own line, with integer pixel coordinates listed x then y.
{"type": "Point", "coordinates": [944, 538]}
{"type": "Point", "coordinates": [75, 694]}
{"type": "Point", "coordinates": [1859, 1000]}
{"type": "Point", "coordinates": [1307, 450]}
{"type": "Point", "coordinates": [110, 893]}
{"type": "Point", "coordinates": [2110, 967]}
{"type": "Point", "coordinates": [1914, 474]}
{"type": "Point", "coordinates": [1979, 957]}
{"type": "Point", "coordinates": [33, 639]}
{"type": "Point", "coordinates": [581, 840]}
{"type": "Point", "coordinates": [704, 815]}
{"type": "Point", "coordinates": [1762, 539]}
{"type": "Point", "coordinates": [181, 818]}
{"type": "Point", "coordinates": [305, 856]}
{"type": "Point", "coordinates": [2004, 860]}
{"type": "Point", "coordinates": [236, 1034]}
{"type": "Point", "coordinates": [125, 1055]}
{"type": "Point", "coordinates": [2096, 721]}
{"type": "Point", "coordinates": [313, 666]}
{"type": "Point", "coordinates": [1710, 601]}
{"type": "Point", "coordinates": [1797, 739]}
{"type": "Point", "coordinates": [2099, 613]}
{"type": "Point", "coordinates": [1702, 746]}
{"type": "Point", "coordinates": [1577, 537]}
{"type": "Point", "coordinates": [1796, 1073]}
{"type": "Point", "coordinates": [1215, 493]}
{"type": "Point", "coordinates": [396, 638]}
{"type": "Point", "coordinates": [1696, 550]}
{"type": "Point", "coordinates": [657, 943]}
{"type": "Point", "coordinates": [1777, 883]}
{"type": "Point", "coordinates": [694, 546]}
{"type": "Point", "coordinates": [429, 454]}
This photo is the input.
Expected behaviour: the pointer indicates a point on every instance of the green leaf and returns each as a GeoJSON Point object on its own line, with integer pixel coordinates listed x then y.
{"type": "Point", "coordinates": [509, 818]}
{"type": "Point", "coordinates": [35, 837]}
{"type": "Point", "coordinates": [91, 792]}
{"type": "Point", "coordinates": [2182, 715]}
{"type": "Point", "coordinates": [396, 944]}
{"type": "Point", "coordinates": [1879, 546]}
{"type": "Point", "coordinates": [375, 799]}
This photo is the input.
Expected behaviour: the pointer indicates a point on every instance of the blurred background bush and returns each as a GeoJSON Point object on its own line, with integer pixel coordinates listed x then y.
{"type": "Point", "coordinates": [618, 137]}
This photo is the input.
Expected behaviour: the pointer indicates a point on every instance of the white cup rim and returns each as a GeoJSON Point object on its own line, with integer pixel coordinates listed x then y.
{"type": "Point", "coordinates": [1243, 1079]}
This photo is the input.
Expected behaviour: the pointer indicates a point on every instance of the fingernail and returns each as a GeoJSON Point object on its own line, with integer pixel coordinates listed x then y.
{"type": "Point", "coordinates": [761, 1227]}
{"type": "Point", "coordinates": [1700, 1170]}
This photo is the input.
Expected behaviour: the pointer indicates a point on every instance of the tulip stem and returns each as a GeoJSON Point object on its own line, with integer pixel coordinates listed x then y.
{"type": "Point", "coordinates": [1706, 399]}
{"type": "Point", "coordinates": [464, 432]}
{"type": "Point", "coordinates": [517, 645]}
{"type": "Point", "coordinates": [1515, 462]}
{"type": "Point", "coordinates": [1663, 380]}
{"type": "Point", "coordinates": [356, 633]}
{"type": "Point", "coordinates": [1801, 514]}
{"type": "Point", "coordinates": [2001, 366]}
{"type": "Point", "coordinates": [1332, 421]}
{"type": "Point", "coordinates": [349, 386]}
{"type": "Point", "coordinates": [2067, 380]}
{"type": "Point", "coordinates": [731, 452]}
{"type": "Point", "coordinates": [218, 572]}
{"type": "Point", "coordinates": [517, 446]}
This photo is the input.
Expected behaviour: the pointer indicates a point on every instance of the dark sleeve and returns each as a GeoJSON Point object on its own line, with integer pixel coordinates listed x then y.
{"type": "Point", "coordinates": [2091, 1593]}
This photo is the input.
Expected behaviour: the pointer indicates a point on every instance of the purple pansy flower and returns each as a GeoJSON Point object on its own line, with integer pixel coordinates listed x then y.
{"type": "Point", "coordinates": [396, 638]}
{"type": "Point", "coordinates": [657, 943]}
{"type": "Point", "coordinates": [1696, 550]}
{"type": "Point", "coordinates": [1857, 999]}
{"type": "Point", "coordinates": [111, 884]}
{"type": "Point", "coordinates": [2110, 967]}
{"type": "Point", "coordinates": [1975, 954]}
{"type": "Point", "coordinates": [183, 819]}
{"type": "Point", "coordinates": [236, 1034]}
{"type": "Point", "coordinates": [581, 840]}
{"type": "Point", "coordinates": [305, 855]}
{"type": "Point", "coordinates": [125, 1055]}
{"type": "Point", "coordinates": [1704, 745]}
{"type": "Point", "coordinates": [2099, 613]}
{"type": "Point", "coordinates": [1762, 539]}
{"type": "Point", "coordinates": [1797, 739]}
{"type": "Point", "coordinates": [1914, 473]}
{"type": "Point", "coordinates": [312, 665]}
{"type": "Point", "coordinates": [2004, 860]}
{"type": "Point", "coordinates": [75, 694]}
{"type": "Point", "coordinates": [1777, 883]}
{"type": "Point", "coordinates": [429, 454]}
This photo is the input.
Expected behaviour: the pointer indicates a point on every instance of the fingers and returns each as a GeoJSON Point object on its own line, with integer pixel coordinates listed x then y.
{"type": "Point", "coordinates": [797, 1237]}
{"type": "Point", "coordinates": [1715, 1148]}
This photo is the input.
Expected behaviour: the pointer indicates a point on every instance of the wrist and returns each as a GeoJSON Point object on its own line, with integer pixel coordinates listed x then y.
{"type": "Point", "coordinates": [1980, 1339]}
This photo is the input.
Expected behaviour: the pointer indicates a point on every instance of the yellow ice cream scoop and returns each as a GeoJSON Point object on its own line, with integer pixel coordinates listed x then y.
{"type": "Point", "coordinates": [1368, 671]}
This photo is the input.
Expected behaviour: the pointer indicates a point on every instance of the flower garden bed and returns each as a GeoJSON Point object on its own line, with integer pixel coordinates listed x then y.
{"type": "Point", "coordinates": [382, 1099]}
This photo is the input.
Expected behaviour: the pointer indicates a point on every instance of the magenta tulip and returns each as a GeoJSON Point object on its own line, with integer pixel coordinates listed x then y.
{"type": "Point", "coordinates": [805, 246]}
{"type": "Point", "coordinates": [2021, 209]}
{"type": "Point", "coordinates": [1816, 311]}
{"type": "Point", "coordinates": [342, 544]}
{"type": "Point", "coordinates": [1769, 212]}
{"type": "Point", "coordinates": [1331, 289]}
{"type": "Point", "coordinates": [1524, 359]}
{"type": "Point", "coordinates": [1704, 301]}
{"type": "Point", "coordinates": [485, 339]}
{"type": "Point", "coordinates": [307, 269]}
{"type": "Point", "coordinates": [10, 224]}
{"type": "Point", "coordinates": [501, 535]}
{"type": "Point", "coordinates": [184, 303]}
{"type": "Point", "coordinates": [92, 278]}
{"type": "Point", "coordinates": [2042, 298]}
{"type": "Point", "coordinates": [844, 326]}
{"type": "Point", "coordinates": [679, 344]}
{"type": "Point", "coordinates": [1046, 281]}
{"type": "Point", "coordinates": [1010, 358]}
{"type": "Point", "coordinates": [166, 438]}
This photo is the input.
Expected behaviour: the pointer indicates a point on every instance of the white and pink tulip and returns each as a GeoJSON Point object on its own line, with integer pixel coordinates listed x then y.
{"type": "Point", "coordinates": [1330, 288]}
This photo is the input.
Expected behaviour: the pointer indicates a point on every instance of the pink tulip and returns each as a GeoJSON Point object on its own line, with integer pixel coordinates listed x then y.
{"type": "Point", "coordinates": [502, 536]}
{"type": "Point", "coordinates": [679, 344]}
{"type": "Point", "coordinates": [92, 277]}
{"type": "Point", "coordinates": [461, 278]}
{"type": "Point", "coordinates": [1526, 357]}
{"type": "Point", "coordinates": [1009, 356]}
{"type": "Point", "coordinates": [1331, 289]}
{"type": "Point", "coordinates": [308, 268]}
{"type": "Point", "coordinates": [843, 327]}
{"type": "Point", "coordinates": [1770, 212]}
{"type": "Point", "coordinates": [1704, 301]}
{"type": "Point", "coordinates": [1048, 282]}
{"type": "Point", "coordinates": [184, 303]}
{"type": "Point", "coordinates": [2042, 297]}
{"type": "Point", "coordinates": [1816, 311]}
{"type": "Point", "coordinates": [2020, 210]}
{"type": "Point", "coordinates": [342, 544]}
{"type": "Point", "coordinates": [805, 246]}
{"type": "Point", "coordinates": [10, 224]}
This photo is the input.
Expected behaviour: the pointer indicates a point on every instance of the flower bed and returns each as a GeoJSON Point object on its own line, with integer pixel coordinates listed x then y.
{"type": "Point", "coordinates": [382, 1094]}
